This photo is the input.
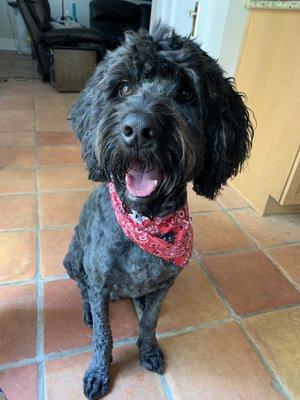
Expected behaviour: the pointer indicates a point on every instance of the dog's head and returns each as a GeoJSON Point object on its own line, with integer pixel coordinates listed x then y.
{"type": "Point", "coordinates": [158, 113]}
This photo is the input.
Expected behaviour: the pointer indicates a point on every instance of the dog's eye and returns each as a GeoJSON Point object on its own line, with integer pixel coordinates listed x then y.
{"type": "Point", "coordinates": [125, 89]}
{"type": "Point", "coordinates": [186, 94]}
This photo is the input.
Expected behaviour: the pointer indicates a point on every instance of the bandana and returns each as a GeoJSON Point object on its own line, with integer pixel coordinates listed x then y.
{"type": "Point", "coordinates": [169, 237]}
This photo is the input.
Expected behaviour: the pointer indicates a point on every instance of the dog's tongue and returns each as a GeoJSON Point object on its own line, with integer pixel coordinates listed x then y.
{"type": "Point", "coordinates": [141, 183]}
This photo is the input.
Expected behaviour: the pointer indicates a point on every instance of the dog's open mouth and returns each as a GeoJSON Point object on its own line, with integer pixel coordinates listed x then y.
{"type": "Point", "coordinates": [142, 182]}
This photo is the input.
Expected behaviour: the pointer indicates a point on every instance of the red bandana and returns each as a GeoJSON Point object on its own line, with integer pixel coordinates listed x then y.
{"type": "Point", "coordinates": [169, 238]}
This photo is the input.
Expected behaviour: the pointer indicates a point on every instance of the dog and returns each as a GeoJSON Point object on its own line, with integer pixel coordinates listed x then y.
{"type": "Point", "coordinates": [157, 114]}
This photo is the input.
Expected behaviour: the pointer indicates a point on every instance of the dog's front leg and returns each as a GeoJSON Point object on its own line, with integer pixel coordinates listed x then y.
{"type": "Point", "coordinates": [96, 379]}
{"type": "Point", "coordinates": [151, 356]}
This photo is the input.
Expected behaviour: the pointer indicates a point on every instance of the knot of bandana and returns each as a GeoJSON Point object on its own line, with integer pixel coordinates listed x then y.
{"type": "Point", "coordinates": [169, 237]}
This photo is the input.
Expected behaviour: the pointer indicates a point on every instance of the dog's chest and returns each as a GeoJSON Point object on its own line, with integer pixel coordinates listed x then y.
{"type": "Point", "coordinates": [118, 263]}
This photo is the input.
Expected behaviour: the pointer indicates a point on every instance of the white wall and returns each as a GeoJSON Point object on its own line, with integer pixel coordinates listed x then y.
{"type": "Point", "coordinates": [174, 13]}
{"type": "Point", "coordinates": [233, 35]}
{"type": "Point", "coordinates": [220, 28]}
{"type": "Point", "coordinates": [6, 38]}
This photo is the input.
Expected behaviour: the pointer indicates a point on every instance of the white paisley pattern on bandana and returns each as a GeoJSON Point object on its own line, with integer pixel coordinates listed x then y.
{"type": "Point", "coordinates": [169, 237]}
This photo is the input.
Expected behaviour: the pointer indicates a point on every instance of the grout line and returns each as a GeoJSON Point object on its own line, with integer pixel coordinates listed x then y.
{"type": "Point", "coordinates": [33, 280]}
{"type": "Point", "coordinates": [286, 307]}
{"type": "Point", "coordinates": [195, 328]}
{"type": "Point", "coordinates": [39, 282]}
{"type": "Point", "coordinates": [282, 270]}
{"type": "Point", "coordinates": [215, 285]}
{"type": "Point", "coordinates": [18, 364]}
{"type": "Point", "coordinates": [53, 191]}
{"type": "Point", "coordinates": [245, 249]}
{"type": "Point", "coordinates": [42, 358]}
{"type": "Point", "coordinates": [9, 194]}
{"type": "Point", "coordinates": [18, 283]}
{"type": "Point", "coordinates": [165, 387]}
{"type": "Point", "coordinates": [225, 252]}
{"type": "Point", "coordinates": [43, 228]}
{"type": "Point", "coordinates": [222, 209]}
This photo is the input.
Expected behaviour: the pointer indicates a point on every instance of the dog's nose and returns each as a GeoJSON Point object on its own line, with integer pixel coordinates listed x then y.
{"type": "Point", "coordinates": [140, 128]}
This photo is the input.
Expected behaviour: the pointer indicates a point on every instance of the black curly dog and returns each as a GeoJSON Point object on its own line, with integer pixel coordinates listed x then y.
{"type": "Point", "coordinates": [161, 102]}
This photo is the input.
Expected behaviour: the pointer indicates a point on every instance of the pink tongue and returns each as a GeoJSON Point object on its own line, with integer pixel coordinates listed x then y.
{"type": "Point", "coordinates": [140, 183]}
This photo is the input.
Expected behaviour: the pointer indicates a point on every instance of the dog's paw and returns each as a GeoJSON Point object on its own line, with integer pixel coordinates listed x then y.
{"type": "Point", "coordinates": [87, 317]}
{"type": "Point", "coordinates": [152, 358]}
{"type": "Point", "coordinates": [95, 384]}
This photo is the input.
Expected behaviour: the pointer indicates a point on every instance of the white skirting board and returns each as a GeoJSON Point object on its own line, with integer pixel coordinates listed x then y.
{"type": "Point", "coordinates": [7, 44]}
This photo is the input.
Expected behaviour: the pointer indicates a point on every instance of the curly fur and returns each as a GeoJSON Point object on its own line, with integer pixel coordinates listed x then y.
{"type": "Point", "coordinates": [204, 138]}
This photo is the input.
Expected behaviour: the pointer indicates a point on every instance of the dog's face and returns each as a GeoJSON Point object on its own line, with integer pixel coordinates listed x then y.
{"type": "Point", "coordinates": [158, 113]}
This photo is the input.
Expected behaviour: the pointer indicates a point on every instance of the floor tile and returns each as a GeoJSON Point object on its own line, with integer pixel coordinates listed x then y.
{"type": "Point", "coordinates": [278, 336]}
{"type": "Point", "coordinates": [54, 125]}
{"type": "Point", "coordinates": [16, 180]}
{"type": "Point", "coordinates": [17, 139]}
{"type": "Point", "coordinates": [56, 138]}
{"type": "Point", "coordinates": [63, 177]}
{"type": "Point", "coordinates": [50, 96]}
{"type": "Point", "coordinates": [20, 383]}
{"type": "Point", "coordinates": [18, 97]}
{"type": "Point", "coordinates": [199, 203]}
{"type": "Point", "coordinates": [230, 199]}
{"type": "Point", "coordinates": [18, 211]}
{"type": "Point", "coordinates": [191, 301]}
{"type": "Point", "coordinates": [64, 328]}
{"type": "Point", "coordinates": [288, 257]}
{"type": "Point", "coordinates": [50, 155]}
{"type": "Point", "coordinates": [54, 246]}
{"type": "Point", "coordinates": [216, 363]}
{"type": "Point", "coordinates": [217, 232]}
{"type": "Point", "coordinates": [7, 104]}
{"type": "Point", "coordinates": [61, 208]}
{"type": "Point", "coordinates": [251, 282]}
{"type": "Point", "coordinates": [123, 319]}
{"type": "Point", "coordinates": [11, 125]}
{"type": "Point", "coordinates": [49, 114]}
{"type": "Point", "coordinates": [53, 106]}
{"type": "Point", "coordinates": [128, 380]}
{"type": "Point", "coordinates": [16, 114]}
{"type": "Point", "coordinates": [17, 323]}
{"type": "Point", "coordinates": [18, 156]}
{"type": "Point", "coordinates": [268, 230]}
{"type": "Point", "coordinates": [71, 97]}
{"type": "Point", "coordinates": [17, 256]}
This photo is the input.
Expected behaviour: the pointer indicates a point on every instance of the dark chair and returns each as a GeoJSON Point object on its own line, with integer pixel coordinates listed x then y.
{"type": "Point", "coordinates": [113, 17]}
{"type": "Point", "coordinates": [37, 17]}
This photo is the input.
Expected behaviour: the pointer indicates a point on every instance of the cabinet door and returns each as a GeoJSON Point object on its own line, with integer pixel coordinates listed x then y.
{"type": "Point", "coordinates": [291, 193]}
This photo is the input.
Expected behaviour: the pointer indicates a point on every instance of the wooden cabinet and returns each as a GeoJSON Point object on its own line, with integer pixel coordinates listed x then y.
{"type": "Point", "coordinates": [269, 73]}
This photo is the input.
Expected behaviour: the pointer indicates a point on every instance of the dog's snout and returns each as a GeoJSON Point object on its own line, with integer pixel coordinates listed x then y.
{"type": "Point", "coordinates": [140, 128]}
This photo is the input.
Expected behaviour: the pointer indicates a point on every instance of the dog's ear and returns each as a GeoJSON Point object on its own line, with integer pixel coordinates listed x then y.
{"type": "Point", "coordinates": [227, 129]}
{"type": "Point", "coordinates": [84, 118]}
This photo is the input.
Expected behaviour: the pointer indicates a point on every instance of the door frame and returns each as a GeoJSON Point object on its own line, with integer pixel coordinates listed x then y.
{"type": "Point", "coordinates": [220, 30]}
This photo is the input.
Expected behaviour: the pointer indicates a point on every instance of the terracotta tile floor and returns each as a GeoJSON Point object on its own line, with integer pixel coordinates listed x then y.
{"type": "Point", "coordinates": [230, 326]}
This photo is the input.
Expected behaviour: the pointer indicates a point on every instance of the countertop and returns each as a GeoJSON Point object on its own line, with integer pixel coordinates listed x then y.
{"type": "Point", "coordinates": [273, 4]}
